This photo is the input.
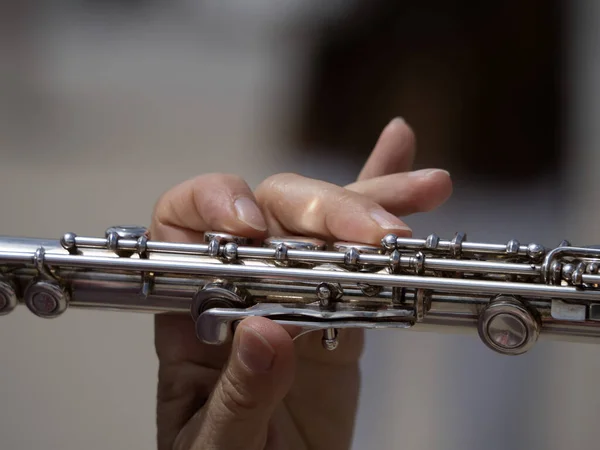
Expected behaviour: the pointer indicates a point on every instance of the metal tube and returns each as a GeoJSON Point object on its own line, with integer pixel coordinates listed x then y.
{"type": "Point", "coordinates": [498, 290]}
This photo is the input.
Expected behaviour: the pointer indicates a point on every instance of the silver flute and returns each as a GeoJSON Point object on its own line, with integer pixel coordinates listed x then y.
{"type": "Point", "coordinates": [509, 294]}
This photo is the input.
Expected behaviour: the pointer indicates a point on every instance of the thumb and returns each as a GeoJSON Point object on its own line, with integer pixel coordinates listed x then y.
{"type": "Point", "coordinates": [255, 380]}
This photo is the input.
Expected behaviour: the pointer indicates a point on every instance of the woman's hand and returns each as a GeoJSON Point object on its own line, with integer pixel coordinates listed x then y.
{"type": "Point", "coordinates": [265, 391]}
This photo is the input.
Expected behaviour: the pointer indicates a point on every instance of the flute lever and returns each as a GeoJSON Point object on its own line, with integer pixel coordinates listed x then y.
{"type": "Point", "coordinates": [216, 326]}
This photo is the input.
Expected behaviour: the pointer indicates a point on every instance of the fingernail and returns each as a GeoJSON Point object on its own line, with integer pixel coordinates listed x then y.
{"type": "Point", "coordinates": [425, 173]}
{"type": "Point", "coordinates": [248, 212]}
{"type": "Point", "coordinates": [254, 351]}
{"type": "Point", "coordinates": [388, 221]}
{"type": "Point", "coordinates": [396, 121]}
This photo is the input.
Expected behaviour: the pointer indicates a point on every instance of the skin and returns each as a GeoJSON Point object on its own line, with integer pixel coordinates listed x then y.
{"type": "Point", "coordinates": [265, 390]}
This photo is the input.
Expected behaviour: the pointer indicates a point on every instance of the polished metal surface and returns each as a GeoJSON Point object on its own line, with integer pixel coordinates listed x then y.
{"type": "Point", "coordinates": [8, 298]}
{"type": "Point", "coordinates": [114, 235]}
{"type": "Point", "coordinates": [507, 326]}
{"type": "Point", "coordinates": [218, 294]}
{"type": "Point", "coordinates": [296, 243]}
{"type": "Point", "coordinates": [127, 231]}
{"type": "Point", "coordinates": [46, 299]}
{"type": "Point", "coordinates": [507, 331]}
{"type": "Point", "coordinates": [511, 294]}
{"type": "Point", "coordinates": [286, 246]}
{"type": "Point", "coordinates": [221, 238]}
{"type": "Point", "coordinates": [342, 246]}
{"type": "Point", "coordinates": [330, 341]}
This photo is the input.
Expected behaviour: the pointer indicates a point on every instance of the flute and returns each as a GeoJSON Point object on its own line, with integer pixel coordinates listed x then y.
{"type": "Point", "coordinates": [509, 294]}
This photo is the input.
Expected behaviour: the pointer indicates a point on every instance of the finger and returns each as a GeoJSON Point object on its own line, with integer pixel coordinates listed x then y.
{"type": "Point", "coordinates": [256, 379]}
{"type": "Point", "coordinates": [208, 202]}
{"type": "Point", "coordinates": [393, 152]}
{"type": "Point", "coordinates": [407, 193]}
{"type": "Point", "coordinates": [187, 366]}
{"type": "Point", "coordinates": [308, 207]}
{"type": "Point", "coordinates": [181, 391]}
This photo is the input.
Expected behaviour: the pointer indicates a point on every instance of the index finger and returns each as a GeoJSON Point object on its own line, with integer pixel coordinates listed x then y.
{"type": "Point", "coordinates": [298, 205]}
{"type": "Point", "coordinates": [220, 202]}
{"type": "Point", "coordinates": [294, 204]}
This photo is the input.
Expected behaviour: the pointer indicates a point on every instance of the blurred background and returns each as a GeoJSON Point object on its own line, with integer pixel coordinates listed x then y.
{"type": "Point", "coordinates": [106, 104]}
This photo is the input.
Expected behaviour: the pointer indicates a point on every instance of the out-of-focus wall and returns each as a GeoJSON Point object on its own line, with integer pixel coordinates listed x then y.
{"type": "Point", "coordinates": [109, 111]}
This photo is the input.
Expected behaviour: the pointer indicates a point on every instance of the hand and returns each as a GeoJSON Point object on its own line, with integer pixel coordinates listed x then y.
{"type": "Point", "coordinates": [265, 391]}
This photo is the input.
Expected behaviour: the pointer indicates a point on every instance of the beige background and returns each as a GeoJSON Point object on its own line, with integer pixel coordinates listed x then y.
{"type": "Point", "coordinates": [110, 116]}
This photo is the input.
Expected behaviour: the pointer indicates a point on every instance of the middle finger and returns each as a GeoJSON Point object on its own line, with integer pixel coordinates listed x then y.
{"type": "Point", "coordinates": [293, 204]}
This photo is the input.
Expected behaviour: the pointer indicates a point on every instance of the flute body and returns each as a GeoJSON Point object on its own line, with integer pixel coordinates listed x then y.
{"type": "Point", "coordinates": [509, 294]}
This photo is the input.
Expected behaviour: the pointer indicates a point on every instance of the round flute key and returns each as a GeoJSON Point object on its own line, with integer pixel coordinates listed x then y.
{"type": "Point", "coordinates": [133, 232]}
{"type": "Point", "coordinates": [8, 298]}
{"type": "Point", "coordinates": [218, 294]}
{"type": "Point", "coordinates": [127, 232]}
{"type": "Point", "coordinates": [507, 331]}
{"type": "Point", "coordinates": [224, 238]}
{"type": "Point", "coordinates": [46, 299]}
{"type": "Point", "coordinates": [343, 246]}
{"type": "Point", "coordinates": [295, 243]}
{"type": "Point", "coordinates": [282, 244]}
{"type": "Point", "coordinates": [508, 327]}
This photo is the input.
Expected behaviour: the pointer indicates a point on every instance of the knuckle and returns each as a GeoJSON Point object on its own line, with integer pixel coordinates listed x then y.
{"type": "Point", "coordinates": [179, 381]}
{"type": "Point", "coordinates": [234, 398]}
{"type": "Point", "coordinates": [349, 201]}
{"type": "Point", "coordinates": [202, 199]}
{"type": "Point", "coordinates": [218, 178]}
{"type": "Point", "coordinates": [162, 202]}
{"type": "Point", "coordinates": [183, 390]}
{"type": "Point", "coordinates": [161, 215]}
{"type": "Point", "coordinates": [171, 386]}
{"type": "Point", "coordinates": [276, 183]}
{"type": "Point", "coordinates": [346, 197]}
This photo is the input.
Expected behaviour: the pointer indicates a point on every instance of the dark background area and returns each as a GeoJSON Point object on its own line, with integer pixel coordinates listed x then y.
{"type": "Point", "coordinates": [480, 82]}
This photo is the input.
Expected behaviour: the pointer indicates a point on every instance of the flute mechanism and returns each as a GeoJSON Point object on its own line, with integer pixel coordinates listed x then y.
{"type": "Point", "coordinates": [510, 294]}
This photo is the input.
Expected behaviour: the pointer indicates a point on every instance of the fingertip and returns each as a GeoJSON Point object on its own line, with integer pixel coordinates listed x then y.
{"type": "Point", "coordinates": [444, 181]}
{"type": "Point", "coordinates": [441, 176]}
{"type": "Point", "coordinates": [268, 329]}
{"type": "Point", "coordinates": [389, 223]}
{"type": "Point", "coordinates": [249, 213]}
{"type": "Point", "coordinates": [399, 138]}
{"type": "Point", "coordinates": [430, 174]}
{"type": "Point", "coordinates": [394, 123]}
{"type": "Point", "coordinates": [265, 336]}
{"type": "Point", "coordinates": [393, 152]}
{"type": "Point", "coordinates": [215, 201]}
{"type": "Point", "coordinates": [368, 226]}
{"type": "Point", "coordinates": [407, 193]}
{"type": "Point", "coordinates": [258, 375]}
{"type": "Point", "coordinates": [436, 188]}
